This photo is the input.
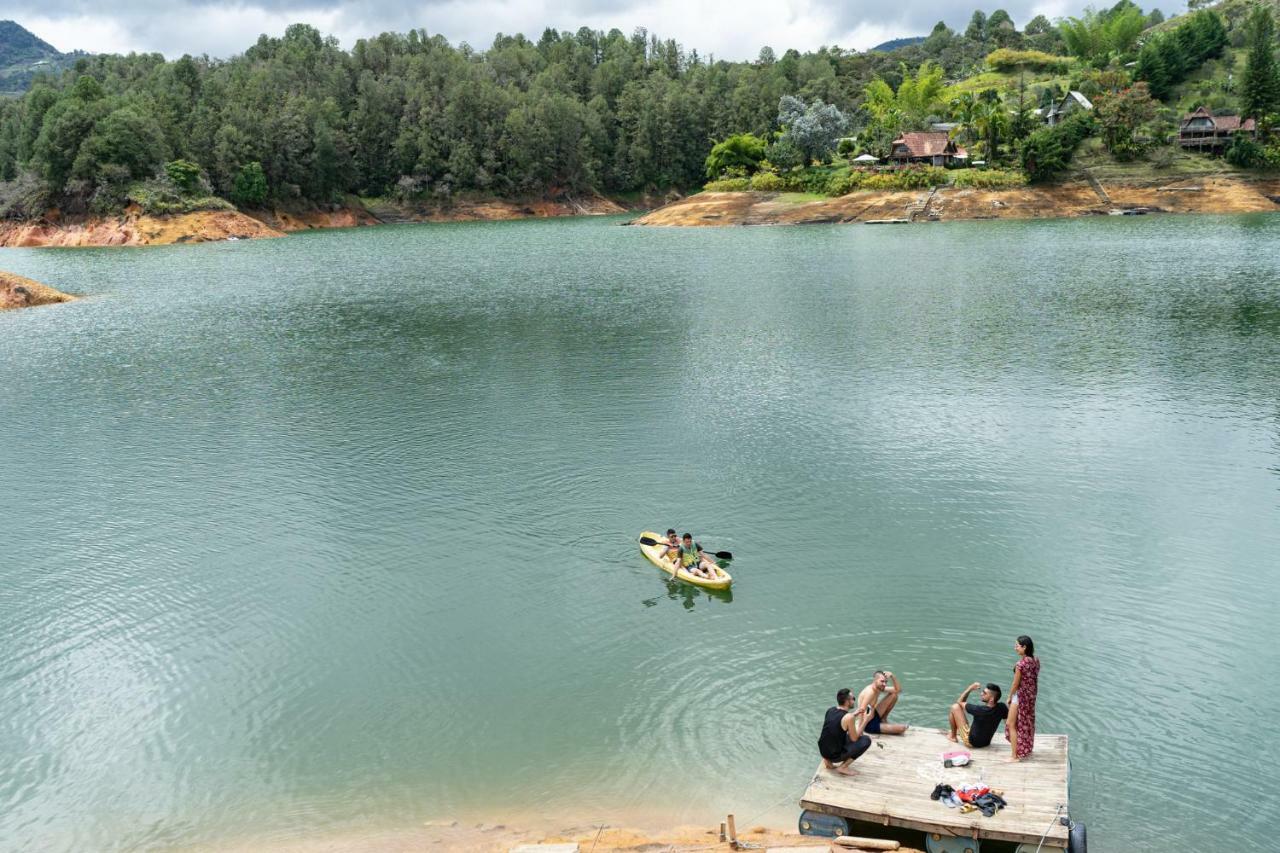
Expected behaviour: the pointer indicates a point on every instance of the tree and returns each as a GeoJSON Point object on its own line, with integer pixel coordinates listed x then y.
{"type": "Point", "coordinates": [918, 97]}
{"type": "Point", "coordinates": [1047, 151]}
{"type": "Point", "coordinates": [1260, 90]}
{"type": "Point", "coordinates": [1153, 69]}
{"type": "Point", "coordinates": [813, 130]}
{"type": "Point", "coordinates": [1097, 35]}
{"type": "Point", "coordinates": [251, 185]}
{"type": "Point", "coordinates": [977, 29]}
{"type": "Point", "coordinates": [991, 121]}
{"type": "Point", "coordinates": [184, 174]}
{"type": "Point", "coordinates": [1121, 114]}
{"type": "Point", "coordinates": [1038, 26]}
{"type": "Point", "coordinates": [742, 151]}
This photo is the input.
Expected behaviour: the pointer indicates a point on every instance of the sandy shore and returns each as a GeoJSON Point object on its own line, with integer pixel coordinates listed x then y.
{"type": "Point", "coordinates": [1188, 195]}
{"type": "Point", "coordinates": [453, 835]}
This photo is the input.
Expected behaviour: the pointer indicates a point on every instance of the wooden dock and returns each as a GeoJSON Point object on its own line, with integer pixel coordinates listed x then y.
{"type": "Point", "coordinates": [896, 776]}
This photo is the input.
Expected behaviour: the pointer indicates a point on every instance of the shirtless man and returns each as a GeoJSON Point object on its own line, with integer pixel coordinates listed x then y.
{"type": "Point", "coordinates": [882, 697]}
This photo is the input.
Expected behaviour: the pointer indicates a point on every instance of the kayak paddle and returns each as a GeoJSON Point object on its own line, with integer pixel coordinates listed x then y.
{"type": "Point", "coordinates": [719, 555]}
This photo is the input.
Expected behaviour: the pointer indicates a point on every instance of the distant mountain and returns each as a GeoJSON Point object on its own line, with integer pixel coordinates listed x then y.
{"type": "Point", "coordinates": [23, 55]}
{"type": "Point", "coordinates": [885, 47]}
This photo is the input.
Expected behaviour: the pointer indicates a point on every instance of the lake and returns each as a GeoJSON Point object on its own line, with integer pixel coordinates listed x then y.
{"type": "Point", "coordinates": [337, 532]}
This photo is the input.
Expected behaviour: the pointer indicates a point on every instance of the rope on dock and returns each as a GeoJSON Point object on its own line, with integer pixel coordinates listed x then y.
{"type": "Point", "coordinates": [1049, 828]}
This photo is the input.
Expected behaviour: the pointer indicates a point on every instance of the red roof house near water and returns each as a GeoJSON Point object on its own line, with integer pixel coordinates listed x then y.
{"type": "Point", "coordinates": [935, 148]}
{"type": "Point", "coordinates": [1204, 131]}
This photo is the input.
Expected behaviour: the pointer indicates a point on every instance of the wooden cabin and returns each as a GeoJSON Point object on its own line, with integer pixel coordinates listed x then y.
{"type": "Point", "coordinates": [1069, 103]}
{"type": "Point", "coordinates": [931, 148]}
{"type": "Point", "coordinates": [1204, 131]}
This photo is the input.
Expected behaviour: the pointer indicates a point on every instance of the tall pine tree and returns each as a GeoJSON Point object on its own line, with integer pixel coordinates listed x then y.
{"type": "Point", "coordinates": [1260, 92]}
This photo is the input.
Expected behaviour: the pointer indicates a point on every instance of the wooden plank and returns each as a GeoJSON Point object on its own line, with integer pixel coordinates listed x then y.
{"type": "Point", "coordinates": [896, 776]}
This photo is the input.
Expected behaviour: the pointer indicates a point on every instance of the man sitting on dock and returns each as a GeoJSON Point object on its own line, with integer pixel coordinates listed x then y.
{"type": "Point", "coordinates": [842, 739]}
{"type": "Point", "coordinates": [880, 698]}
{"type": "Point", "coordinates": [986, 717]}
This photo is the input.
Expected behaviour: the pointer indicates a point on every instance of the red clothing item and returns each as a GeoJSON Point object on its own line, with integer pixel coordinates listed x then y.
{"type": "Point", "coordinates": [1027, 686]}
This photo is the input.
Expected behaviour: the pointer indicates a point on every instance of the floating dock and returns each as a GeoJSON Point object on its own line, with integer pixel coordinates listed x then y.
{"type": "Point", "coordinates": [895, 777]}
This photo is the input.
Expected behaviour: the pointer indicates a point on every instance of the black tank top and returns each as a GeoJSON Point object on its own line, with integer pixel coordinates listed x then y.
{"type": "Point", "coordinates": [833, 738]}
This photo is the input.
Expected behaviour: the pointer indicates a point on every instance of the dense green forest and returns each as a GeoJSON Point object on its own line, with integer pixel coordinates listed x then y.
{"type": "Point", "coordinates": [297, 119]}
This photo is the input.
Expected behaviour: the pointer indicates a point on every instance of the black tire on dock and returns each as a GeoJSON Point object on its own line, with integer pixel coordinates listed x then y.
{"type": "Point", "coordinates": [1076, 839]}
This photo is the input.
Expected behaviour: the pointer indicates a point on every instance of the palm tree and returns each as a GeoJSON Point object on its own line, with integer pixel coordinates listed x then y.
{"type": "Point", "coordinates": [991, 120]}
{"type": "Point", "coordinates": [964, 109]}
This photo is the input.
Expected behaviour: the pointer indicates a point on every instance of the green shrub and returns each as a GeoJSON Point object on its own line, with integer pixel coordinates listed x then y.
{"type": "Point", "coordinates": [728, 185]}
{"type": "Point", "coordinates": [736, 156]}
{"type": "Point", "coordinates": [27, 196]}
{"type": "Point", "coordinates": [768, 182]}
{"type": "Point", "coordinates": [1244, 153]}
{"type": "Point", "coordinates": [988, 179]}
{"type": "Point", "coordinates": [160, 196]}
{"type": "Point", "coordinates": [910, 178]}
{"type": "Point", "coordinates": [250, 186]}
{"type": "Point", "coordinates": [838, 185]}
{"type": "Point", "coordinates": [184, 174]}
{"type": "Point", "coordinates": [1009, 60]}
{"type": "Point", "coordinates": [1047, 152]}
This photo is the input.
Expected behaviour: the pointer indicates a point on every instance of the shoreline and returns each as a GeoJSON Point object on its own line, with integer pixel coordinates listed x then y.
{"type": "Point", "coordinates": [133, 228]}
{"type": "Point", "coordinates": [1212, 194]}
{"type": "Point", "coordinates": [599, 837]}
{"type": "Point", "coordinates": [1207, 194]}
{"type": "Point", "coordinates": [17, 292]}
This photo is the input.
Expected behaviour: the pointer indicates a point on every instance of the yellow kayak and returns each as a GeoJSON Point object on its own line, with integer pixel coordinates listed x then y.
{"type": "Point", "coordinates": [657, 554]}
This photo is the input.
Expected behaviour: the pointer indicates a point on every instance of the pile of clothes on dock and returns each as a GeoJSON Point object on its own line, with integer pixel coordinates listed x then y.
{"type": "Point", "coordinates": [969, 798]}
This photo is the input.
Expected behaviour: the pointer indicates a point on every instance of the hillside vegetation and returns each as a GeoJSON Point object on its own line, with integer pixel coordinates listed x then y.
{"type": "Point", "coordinates": [296, 120]}
{"type": "Point", "coordinates": [23, 56]}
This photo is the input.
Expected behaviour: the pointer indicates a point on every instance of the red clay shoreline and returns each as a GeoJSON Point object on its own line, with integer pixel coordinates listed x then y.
{"type": "Point", "coordinates": [134, 228]}
{"type": "Point", "coordinates": [1208, 194]}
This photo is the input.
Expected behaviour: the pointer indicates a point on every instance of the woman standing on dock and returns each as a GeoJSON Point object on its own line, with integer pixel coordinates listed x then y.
{"type": "Point", "coordinates": [1020, 728]}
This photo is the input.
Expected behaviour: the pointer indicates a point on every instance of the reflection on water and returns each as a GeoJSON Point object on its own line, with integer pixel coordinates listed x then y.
{"type": "Point", "coordinates": [337, 532]}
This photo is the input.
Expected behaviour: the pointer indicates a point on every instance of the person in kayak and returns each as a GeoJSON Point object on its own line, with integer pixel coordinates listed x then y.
{"type": "Point", "coordinates": [693, 561]}
{"type": "Point", "coordinates": [841, 740]}
{"type": "Point", "coordinates": [673, 544]}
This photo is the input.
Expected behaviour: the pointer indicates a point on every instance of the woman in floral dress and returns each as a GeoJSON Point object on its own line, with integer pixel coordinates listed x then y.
{"type": "Point", "coordinates": [1020, 728]}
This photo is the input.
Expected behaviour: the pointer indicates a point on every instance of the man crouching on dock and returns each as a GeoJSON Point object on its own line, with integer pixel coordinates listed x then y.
{"type": "Point", "coordinates": [842, 739]}
{"type": "Point", "coordinates": [881, 698]}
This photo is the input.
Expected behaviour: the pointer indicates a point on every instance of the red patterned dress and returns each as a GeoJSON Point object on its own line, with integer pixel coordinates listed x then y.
{"type": "Point", "coordinates": [1026, 724]}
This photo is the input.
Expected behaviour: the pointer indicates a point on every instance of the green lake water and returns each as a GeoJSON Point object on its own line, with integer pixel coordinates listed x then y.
{"type": "Point", "coordinates": [336, 533]}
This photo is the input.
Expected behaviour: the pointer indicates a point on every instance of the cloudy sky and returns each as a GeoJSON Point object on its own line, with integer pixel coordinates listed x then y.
{"type": "Point", "coordinates": [730, 29]}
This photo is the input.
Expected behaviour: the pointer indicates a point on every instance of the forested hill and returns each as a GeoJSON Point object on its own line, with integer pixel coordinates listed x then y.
{"type": "Point", "coordinates": [894, 44]}
{"type": "Point", "coordinates": [410, 116]}
{"type": "Point", "coordinates": [23, 55]}
{"type": "Point", "coordinates": [299, 118]}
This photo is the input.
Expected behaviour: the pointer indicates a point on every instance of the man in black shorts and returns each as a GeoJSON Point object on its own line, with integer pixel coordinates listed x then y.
{"type": "Point", "coordinates": [986, 716]}
{"type": "Point", "coordinates": [842, 740]}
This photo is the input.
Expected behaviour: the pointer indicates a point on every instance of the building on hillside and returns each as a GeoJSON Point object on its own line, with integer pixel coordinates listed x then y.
{"type": "Point", "coordinates": [1206, 132]}
{"type": "Point", "coordinates": [1069, 103]}
{"type": "Point", "coordinates": [931, 148]}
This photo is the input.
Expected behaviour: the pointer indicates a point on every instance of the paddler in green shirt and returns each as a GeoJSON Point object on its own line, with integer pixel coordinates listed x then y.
{"type": "Point", "coordinates": [693, 561]}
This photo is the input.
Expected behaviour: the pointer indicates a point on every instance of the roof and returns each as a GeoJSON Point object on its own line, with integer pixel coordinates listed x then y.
{"type": "Point", "coordinates": [1221, 122]}
{"type": "Point", "coordinates": [866, 158]}
{"type": "Point", "coordinates": [1073, 95]}
{"type": "Point", "coordinates": [927, 144]}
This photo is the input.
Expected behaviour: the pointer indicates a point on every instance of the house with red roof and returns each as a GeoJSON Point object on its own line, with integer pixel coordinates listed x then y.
{"type": "Point", "coordinates": [1204, 131]}
{"type": "Point", "coordinates": [934, 148]}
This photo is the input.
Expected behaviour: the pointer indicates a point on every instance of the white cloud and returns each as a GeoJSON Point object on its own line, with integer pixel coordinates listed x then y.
{"type": "Point", "coordinates": [730, 29]}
